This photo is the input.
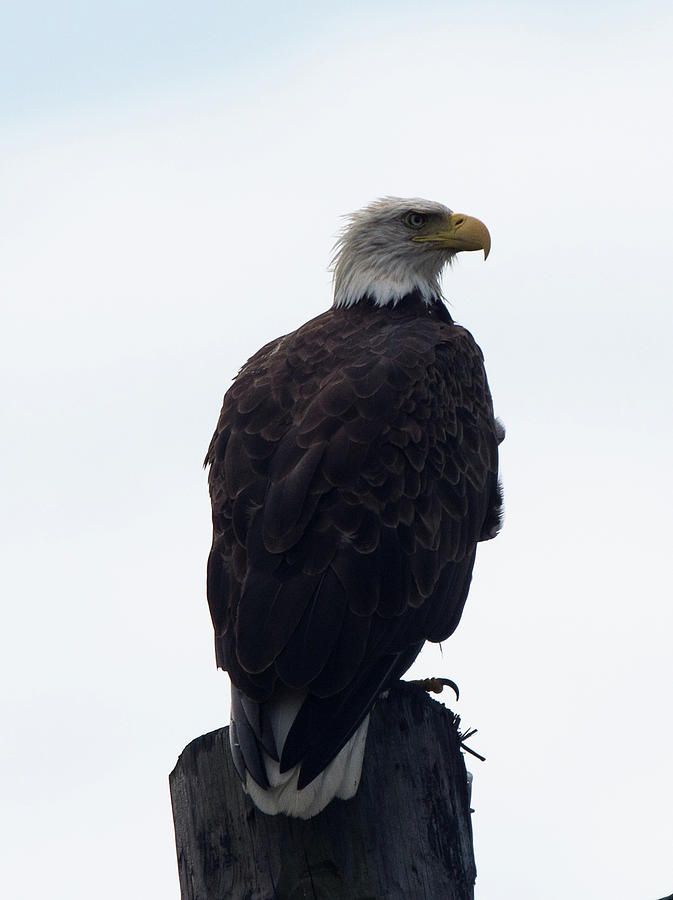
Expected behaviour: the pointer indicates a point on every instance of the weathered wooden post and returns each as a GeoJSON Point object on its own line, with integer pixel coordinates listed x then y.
{"type": "Point", "coordinates": [406, 834]}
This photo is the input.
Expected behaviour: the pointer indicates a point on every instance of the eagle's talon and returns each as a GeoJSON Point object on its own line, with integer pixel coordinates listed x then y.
{"type": "Point", "coordinates": [437, 685]}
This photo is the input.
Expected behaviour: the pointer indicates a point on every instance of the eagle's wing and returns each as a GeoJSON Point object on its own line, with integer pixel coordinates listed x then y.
{"type": "Point", "coordinates": [350, 483]}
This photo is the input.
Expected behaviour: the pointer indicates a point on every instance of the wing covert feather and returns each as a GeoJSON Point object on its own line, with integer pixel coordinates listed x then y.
{"type": "Point", "coordinates": [353, 471]}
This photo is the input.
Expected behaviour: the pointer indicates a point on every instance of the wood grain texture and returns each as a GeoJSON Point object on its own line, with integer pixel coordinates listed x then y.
{"type": "Point", "coordinates": [407, 834]}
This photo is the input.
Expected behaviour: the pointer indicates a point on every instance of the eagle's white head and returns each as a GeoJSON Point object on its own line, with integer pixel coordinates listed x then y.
{"type": "Point", "coordinates": [394, 247]}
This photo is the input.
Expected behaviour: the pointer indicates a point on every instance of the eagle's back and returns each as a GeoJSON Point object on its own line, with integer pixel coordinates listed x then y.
{"type": "Point", "coordinates": [353, 471]}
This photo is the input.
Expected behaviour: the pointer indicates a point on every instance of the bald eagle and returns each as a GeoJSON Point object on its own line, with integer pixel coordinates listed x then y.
{"type": "Point", "coordinates": [353, 470]}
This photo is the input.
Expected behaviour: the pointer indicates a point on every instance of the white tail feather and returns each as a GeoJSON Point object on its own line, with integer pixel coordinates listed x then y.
{"type": "Point", "coordinates": [340, 778]}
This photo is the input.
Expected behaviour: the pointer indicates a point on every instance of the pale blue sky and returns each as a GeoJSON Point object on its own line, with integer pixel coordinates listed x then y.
{"type": "Point", "coordinates": [54, 56]}
{"type": "Point", "coordinates": [172, 179]}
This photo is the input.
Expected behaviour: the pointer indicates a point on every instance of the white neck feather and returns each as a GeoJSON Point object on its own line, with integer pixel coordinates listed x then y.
{"type": "Point", "coordinates": [383, 288]}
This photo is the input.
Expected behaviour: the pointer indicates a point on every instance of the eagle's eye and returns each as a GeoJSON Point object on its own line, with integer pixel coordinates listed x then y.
{"type": "Point", "coordinates": [415, 219]}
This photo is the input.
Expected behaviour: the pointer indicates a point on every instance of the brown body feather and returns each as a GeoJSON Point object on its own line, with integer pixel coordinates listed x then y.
{"type": "Point", "coordinates": [353, 471]}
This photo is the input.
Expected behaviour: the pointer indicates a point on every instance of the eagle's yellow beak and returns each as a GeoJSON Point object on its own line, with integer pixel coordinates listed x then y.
{"type": "Point", "coordinates": [459, 232]}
